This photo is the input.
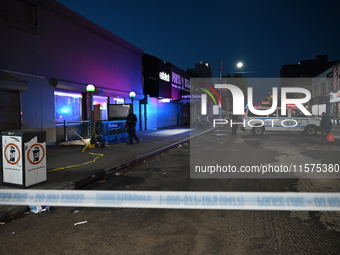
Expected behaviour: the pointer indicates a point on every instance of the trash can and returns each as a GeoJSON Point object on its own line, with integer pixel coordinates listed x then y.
{"type": "Point", "coordinates": [23, 157]}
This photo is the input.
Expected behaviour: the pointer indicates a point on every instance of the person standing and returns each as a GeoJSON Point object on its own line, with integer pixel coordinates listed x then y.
{"type": "Point", "coordinates": [130, 124]}
{"type": "Point", "coordinates": [234, 120]}
{"type": "Point", "coordinates": [325, 127]}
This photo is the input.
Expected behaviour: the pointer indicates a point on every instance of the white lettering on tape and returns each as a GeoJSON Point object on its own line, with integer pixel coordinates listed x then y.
{"type": "Point", "coordinates": [176, 199]}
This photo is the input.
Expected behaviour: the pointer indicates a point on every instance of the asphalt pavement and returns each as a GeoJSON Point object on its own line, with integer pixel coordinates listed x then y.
{"type": "Point", "coordinates": [74, 166]}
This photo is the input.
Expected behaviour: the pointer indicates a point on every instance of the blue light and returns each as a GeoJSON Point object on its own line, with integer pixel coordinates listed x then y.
{"type": "Point", "coordinates": [65, 110]}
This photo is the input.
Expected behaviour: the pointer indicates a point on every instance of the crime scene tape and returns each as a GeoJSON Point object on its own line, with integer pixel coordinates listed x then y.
{"type": "Point", "coordinates": [175, 199]}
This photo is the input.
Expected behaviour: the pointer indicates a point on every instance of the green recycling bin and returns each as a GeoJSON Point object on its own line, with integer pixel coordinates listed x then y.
{"type": "Point", "coordinates": [23, 157]}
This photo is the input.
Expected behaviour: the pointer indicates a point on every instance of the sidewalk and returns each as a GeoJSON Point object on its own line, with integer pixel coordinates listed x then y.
{"type": "Point", "coordinates": [108, 159]}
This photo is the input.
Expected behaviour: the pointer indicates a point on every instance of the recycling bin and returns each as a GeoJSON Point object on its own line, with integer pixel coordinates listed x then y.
{"type": "Point", "coordinates": [23, 157]}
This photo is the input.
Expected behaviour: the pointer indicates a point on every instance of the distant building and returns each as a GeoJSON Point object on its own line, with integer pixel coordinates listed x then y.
{"type": "Point", "coordinates": [307, 69]}
{"type": "Point", "coordinates": [164, 85]}
{"type": "Point", "coordinates": [201, 70]}
{"type": "Point", "coordinates": [326, 92]}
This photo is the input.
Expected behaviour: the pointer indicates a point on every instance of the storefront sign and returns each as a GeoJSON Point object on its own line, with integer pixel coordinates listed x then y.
{"type": "Point", "coordinates": [164, 76]}
{"type": "Point", "coordinates": [176, 80]}
{"type": "Point", "coordinates": [334, 97]}
{"type": "Point", "coordinates": [335, 79]}
{"type": "Point", "coordinates": [191, 97]}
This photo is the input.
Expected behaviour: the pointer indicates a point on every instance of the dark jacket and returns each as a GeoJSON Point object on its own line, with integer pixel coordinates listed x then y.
{"type": "Point", "coordinates": [131, 120]}
{"type": "Point", "coordinates": [326, 124]}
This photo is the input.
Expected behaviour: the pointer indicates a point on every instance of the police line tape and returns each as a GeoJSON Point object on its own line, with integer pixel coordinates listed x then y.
{"type": "Point", "coordinates": [175, 199]}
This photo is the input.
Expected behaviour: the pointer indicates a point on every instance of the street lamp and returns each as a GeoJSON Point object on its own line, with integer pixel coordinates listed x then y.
{"type": "Point", "coordinates": [91, 89]}
{"type": "Point", "coordinates": [132, 95]}
{"type": "Point", "coordinates": [220, 68]}
{"type": "Point", "coordinates": [239, 65]}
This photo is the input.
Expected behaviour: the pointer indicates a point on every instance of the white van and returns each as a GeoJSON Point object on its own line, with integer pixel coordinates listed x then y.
{"type": "Point", "coordinates": [294, 121]}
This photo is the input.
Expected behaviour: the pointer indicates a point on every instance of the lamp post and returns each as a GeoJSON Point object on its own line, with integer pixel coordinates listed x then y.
{"type": "Point", "coordinates": [91, 89]}
{"type": "Point", "coordinates": [239, 65]}
{"type": "Point", "coordinates": [132, 95]}
{"type": "Point", "coordinates": [220, 68]}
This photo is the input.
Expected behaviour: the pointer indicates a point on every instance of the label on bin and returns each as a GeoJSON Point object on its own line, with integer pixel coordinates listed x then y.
{"type": "Point", "coordinates": [35, 161]}
{"type": "Point", "coordinates": [36, 154]}
{"type": "Point", "coordinates": [12, 159]}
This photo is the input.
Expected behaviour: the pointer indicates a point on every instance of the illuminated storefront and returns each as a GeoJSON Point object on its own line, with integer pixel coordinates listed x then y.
{"type": "Point", "coordinates": [163, 85]}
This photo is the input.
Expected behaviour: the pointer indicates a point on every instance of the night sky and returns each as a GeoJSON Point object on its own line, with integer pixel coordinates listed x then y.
{"type": "Point", "coordinates": [264, 35]}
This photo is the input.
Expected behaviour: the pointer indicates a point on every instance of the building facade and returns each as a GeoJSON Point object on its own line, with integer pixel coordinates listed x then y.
{"type": "Point", "coordinates": [201, 70]}
{"type": "Point", "coordinates": [49, 54]}
{"type": "Point", "coordinates": [326, 93]}
{"type": "Point", "coordinates": [300, 74]}
{"type": "Point", "coordinates": [164, 84]}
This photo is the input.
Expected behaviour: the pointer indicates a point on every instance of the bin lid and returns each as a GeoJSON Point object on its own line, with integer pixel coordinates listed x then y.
{"type": "Point", "coordinates": [20, 132]}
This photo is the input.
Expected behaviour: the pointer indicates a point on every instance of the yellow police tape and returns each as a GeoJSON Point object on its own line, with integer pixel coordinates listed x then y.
{"type": "Point", "coordinates": [83, 150]}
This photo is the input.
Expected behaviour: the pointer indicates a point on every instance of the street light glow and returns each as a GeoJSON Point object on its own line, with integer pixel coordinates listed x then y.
{"type": "Point", "coordinates": [239, 65]}
{"type": "Point", "coordinates": [132, 94]}
{"type": "Point", "coordinates": [90, 88]}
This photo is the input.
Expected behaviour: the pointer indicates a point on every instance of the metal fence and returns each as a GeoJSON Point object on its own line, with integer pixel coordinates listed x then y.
{"type": "Point", "coordinates": [70, 131]}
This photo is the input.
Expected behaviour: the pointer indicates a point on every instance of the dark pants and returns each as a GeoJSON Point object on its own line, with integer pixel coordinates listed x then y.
{"type": "Point", "coordinates": [324, 134]}
{"type": "Point", "coordinates": [233, 129]}
{"type": "Point", "coordinates": [132, 134]}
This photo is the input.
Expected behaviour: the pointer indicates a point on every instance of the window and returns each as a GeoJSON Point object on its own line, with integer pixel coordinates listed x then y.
{"type": "Point", "coordinates": [323, 88]}
{"type": "Point", "coordinates": [315, 94]}
{"type": "Point", "coordinates": [67, 106]}
{"type": "Point", "coordinates": [116, 100]}
{"type": "Point", "coordinates": [297, 113]}
{"type": "Point", "coordinates": [329, 86]}
{"type": "Point", "coordinates": [101, 103]}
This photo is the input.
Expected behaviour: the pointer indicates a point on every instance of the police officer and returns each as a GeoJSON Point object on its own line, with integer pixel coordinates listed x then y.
{"type": "Point", "coordinates": [131, 127]}
{"type": "Point", "coordinates": [325, 127]}
{"type": "Point", "coordinates": [234, 119]}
